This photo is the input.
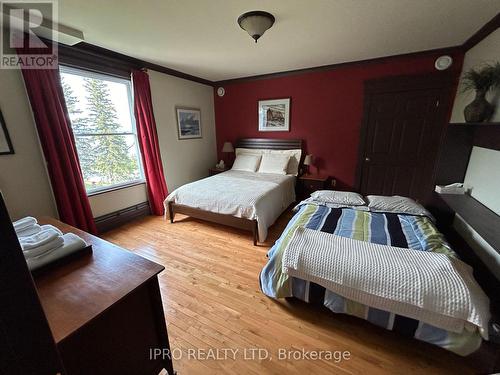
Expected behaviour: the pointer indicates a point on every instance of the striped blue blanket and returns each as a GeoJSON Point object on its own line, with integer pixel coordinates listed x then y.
{"type": "Point", "coordinates": [414, 232]}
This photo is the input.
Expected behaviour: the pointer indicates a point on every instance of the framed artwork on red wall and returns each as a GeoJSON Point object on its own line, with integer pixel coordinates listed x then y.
{"type": "Point", "coordinates": [274, 115]}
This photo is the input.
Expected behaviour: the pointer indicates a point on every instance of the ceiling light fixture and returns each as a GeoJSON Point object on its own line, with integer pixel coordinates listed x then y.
{"type": "Point", "coordinates": [256, 22]}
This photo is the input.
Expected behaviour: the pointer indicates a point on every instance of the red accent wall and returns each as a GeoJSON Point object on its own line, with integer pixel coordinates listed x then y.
{"type": "Point", "coordinates": [326, 109]}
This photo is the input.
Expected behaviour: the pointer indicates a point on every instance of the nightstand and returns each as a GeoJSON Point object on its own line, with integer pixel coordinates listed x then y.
{"type": "Point", "coordinates": [309, 183]}
{"type": "Point", "coordinates": [213, 171]}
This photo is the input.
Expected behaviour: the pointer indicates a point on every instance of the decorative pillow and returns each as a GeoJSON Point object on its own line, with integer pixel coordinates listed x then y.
{"type": "Point", "coordinates": [347, 198]}
{"type": "Point", "coordinates": [276, 164]}
{"type": "Point", "coordinates": [293, 164]}
{"type": "Point", "coordinates": [248, 163]}
{"type": "Point", "coordinates": [396, 204]}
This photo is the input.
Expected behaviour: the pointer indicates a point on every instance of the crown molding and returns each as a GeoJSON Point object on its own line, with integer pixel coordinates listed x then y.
{"type": "Point", "coordinates": [477, 37]}
{"type": "Point", "coordinates": [93, 57]}
{"type": "Point", "coordinates": [482, 33]}
{"type": "Point", "coordinates": [376, 60]}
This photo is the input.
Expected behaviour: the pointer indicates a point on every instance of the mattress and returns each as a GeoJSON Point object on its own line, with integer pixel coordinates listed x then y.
{"type": "Point", "coordinates": [415, 232]}
{"type": "Point", "coordinates": [255, 196]}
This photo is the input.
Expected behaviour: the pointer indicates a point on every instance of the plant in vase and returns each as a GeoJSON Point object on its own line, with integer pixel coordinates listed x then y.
{"type": "Point", "coordinates": [482, 80]}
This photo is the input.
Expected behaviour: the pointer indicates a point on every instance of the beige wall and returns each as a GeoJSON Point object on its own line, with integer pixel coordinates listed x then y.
{"type": "Point", "coordinates": [112, 201]}
{"type": "Point", "coordinates": [23, 177]}
{"type": "Point", "coordinates": [488, 50]}
{"type": "Point", "coordinates": [183, 160]}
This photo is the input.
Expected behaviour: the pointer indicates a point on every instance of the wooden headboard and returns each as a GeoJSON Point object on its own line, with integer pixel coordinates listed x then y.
{"type": "Point", "coordinates": [270, 144]}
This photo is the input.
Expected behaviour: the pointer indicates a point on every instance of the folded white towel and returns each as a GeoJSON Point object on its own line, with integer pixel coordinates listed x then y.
{"type": "Point", "coordinates": [45, 248]}
{"type": "Point", "coordinates": [72, 243]}
{"type": "Point", "coordinates": [38, 239]}
{"type": "Point", "coordinates": [48, 226]}
{"type": "Point", "coordinates": [24, 223]}
{"type": "Point", "coordinates": [29, 231]}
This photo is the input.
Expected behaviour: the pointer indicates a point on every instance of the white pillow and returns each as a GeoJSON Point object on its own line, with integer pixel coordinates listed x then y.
{"type": "Point", "coordinates": [244, 162]}
{"type": "Point", "coordinates": [276, 164]}
{"type": "Point", "coordinates": [347, 198]}
{"type": "Point", "coordinates": [396, 204]}
{"type": "Point", "coordinates": [293, 164]}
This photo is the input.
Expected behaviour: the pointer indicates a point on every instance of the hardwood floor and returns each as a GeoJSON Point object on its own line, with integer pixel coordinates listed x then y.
{"type": "Point", "coordinates": [212, 300]}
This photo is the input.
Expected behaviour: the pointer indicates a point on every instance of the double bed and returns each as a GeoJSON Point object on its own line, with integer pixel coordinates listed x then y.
{"type": "Point", "coordinates": [393, 229]}
{"type": "Point", "coordinates": [244, 199]}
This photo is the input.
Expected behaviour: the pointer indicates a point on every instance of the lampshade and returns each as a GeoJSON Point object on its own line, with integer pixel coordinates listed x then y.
{"type": "Point", "coordinates": [228, 147]}
{"type": "Point", "coordinates": [256, 23]}
{"type": "Point", "coordinates": [308, 160]}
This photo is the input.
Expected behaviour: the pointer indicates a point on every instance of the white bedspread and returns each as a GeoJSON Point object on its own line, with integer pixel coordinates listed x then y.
{"type": "Point", "coordinates": [430, 287]}
{"type": "Point", "coordinates": [261, 196]}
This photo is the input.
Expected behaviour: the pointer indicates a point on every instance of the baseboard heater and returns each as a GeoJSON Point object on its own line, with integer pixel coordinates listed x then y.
{"type": "Point", "coordinates": [120, 217]}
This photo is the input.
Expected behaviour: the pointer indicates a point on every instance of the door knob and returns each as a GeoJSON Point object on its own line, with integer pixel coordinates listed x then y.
{"type": "Point", "coordinates": [367, 158]}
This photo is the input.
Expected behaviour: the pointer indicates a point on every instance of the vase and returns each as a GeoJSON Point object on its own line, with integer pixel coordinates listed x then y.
{"type": "Point", "coordinates": [479, 110]}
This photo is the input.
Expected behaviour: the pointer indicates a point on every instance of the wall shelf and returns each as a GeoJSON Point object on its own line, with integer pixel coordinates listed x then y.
{"type": "Point", "coordinates": [479, 217]}
{"type": "Point", "coordinates": [488, 124]}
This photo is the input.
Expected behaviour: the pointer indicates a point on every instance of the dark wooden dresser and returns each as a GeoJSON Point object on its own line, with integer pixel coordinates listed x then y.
{"type": "Point", "coordinates": [104, 310]}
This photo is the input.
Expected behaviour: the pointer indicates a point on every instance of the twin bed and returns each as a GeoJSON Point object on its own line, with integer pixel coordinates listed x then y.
{"type": "Point", "coordinates": [253, 200]}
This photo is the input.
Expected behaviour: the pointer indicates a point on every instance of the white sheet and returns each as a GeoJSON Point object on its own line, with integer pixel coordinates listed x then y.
{"type": "Point", "coordinates": [250, 195]}
{"type": "Point", "coordinates": [430, 287]}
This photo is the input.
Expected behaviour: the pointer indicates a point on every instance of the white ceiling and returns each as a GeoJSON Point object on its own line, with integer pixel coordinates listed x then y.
{"type": "Point", "coordinates": [202, 37]}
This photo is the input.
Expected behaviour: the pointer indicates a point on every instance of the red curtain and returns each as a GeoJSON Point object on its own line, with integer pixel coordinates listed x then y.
{"type": "Point", "coordinates": [148, 142]}
{"type": "Point", "coordinates": [53, 124]}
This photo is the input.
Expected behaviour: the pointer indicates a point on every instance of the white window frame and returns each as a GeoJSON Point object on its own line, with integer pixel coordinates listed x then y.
{"type": "Point", "coordinates": [104, 77]}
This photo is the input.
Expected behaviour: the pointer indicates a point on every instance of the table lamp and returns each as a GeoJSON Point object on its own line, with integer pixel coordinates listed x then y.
{"type": "Point", "coordinates": [227, 148]}
{"type": "Point", "coordinates": [308, 160]}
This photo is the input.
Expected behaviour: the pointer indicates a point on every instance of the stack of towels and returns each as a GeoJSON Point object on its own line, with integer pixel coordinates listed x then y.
{"type": "Point", "coordinates": [43, 244]}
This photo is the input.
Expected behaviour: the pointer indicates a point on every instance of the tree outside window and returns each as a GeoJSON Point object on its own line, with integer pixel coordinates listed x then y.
{"type": "Point", "coordinates": [101, 117]}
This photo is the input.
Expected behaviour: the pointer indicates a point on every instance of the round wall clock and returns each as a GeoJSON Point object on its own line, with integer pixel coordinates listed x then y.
{"type": "Point", "coordinates": [443, 62]}
{"type": "Point", "coordinates": [221, 91]}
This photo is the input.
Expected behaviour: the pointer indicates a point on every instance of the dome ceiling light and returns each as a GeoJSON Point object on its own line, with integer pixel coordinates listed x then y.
{"type": "Point", "coordinates": [256, 22]}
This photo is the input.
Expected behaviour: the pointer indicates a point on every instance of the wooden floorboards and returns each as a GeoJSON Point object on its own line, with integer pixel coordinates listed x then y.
{"type": "Point", "coordinates": [212, 300]}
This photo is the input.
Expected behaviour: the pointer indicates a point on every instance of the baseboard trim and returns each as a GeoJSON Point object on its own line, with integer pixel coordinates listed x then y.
{"type": "Point", "coordinates": [120, 217]}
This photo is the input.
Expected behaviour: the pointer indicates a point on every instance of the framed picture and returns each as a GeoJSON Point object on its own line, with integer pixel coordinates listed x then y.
{"type": "Point", "coordinates": [274, 115]}
{"type": "Point", "coordinates": [5, 143]}
{"type": "Point", "coordinates": [188, 123]}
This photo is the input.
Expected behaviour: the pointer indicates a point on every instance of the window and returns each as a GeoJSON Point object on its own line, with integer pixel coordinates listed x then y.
{"type": "Point", "coordinates": [100, 110]}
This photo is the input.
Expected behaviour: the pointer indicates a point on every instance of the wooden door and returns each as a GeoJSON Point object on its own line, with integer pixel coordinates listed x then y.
{"type": "Point", "coordinates": [403, 127]}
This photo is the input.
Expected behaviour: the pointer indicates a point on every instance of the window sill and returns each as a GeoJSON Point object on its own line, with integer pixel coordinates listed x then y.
{"type": "Point", "coordinates": [116, 187]}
